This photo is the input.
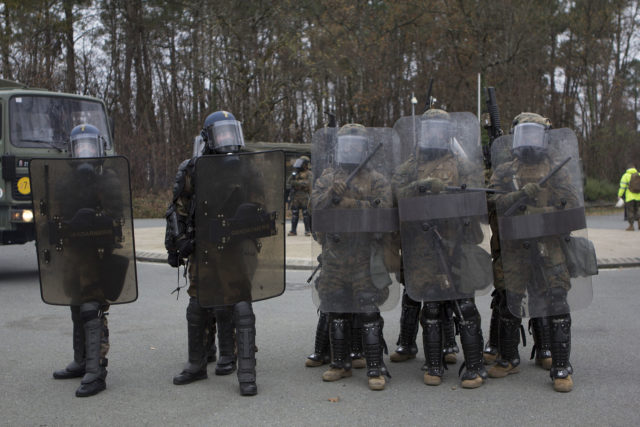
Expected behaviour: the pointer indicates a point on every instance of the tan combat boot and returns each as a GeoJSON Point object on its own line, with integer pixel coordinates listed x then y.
{"type": "Point", "coordinates": [545, 363]}
{"type": "Point", "coordinates": [563, 385]}
{"type": "Point", "coordinates": [401, 357]}
{"type": "Point", "coordinates": [377, 383]}
{"type": "Point", "coordinates": [432, 379]}
{"type": "Point", "coordinates": [310, 363]}
{"type": "Point", "coordinates": [630, 227]}
{"type": "Point", "coordinates": [358, 363]}
{"type": "Point", "coordinates": [335, 374]}
{"type": "Point", "coordinates": [489, 358]}
{"type": "Point", "coordinates": [451, 358]}
{"type": "Point", "coordinates": [501, 370]}
{"type": "Point", "coordinates": [474, 383]}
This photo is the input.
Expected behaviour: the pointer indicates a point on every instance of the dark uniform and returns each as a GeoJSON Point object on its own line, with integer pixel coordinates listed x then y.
{"type": "Point", "coordinates": [222, 134]}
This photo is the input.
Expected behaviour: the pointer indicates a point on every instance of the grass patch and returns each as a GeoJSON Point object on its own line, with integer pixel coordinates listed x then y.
{"type": "Point", "coordinates": [151, 205]}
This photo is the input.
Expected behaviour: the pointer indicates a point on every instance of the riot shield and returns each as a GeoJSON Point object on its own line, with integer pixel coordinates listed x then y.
{"type": "Point", "coordinates": [444, 231]}
{"type": "Point", "coordinates": [546, 255]}
{"type": "Point", "coordinates": [239, 221]}
{"type": "Point", "coordinates": [84, 230]}
{"type": "Point", "coordinates": [356, 232]}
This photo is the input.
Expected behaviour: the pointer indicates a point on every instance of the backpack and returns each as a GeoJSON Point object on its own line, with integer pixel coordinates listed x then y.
{"type": "Point", "coordinates": [634, 183]}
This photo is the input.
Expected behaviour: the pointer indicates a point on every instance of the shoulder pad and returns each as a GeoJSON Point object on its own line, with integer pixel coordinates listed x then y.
{"type": "Point", "coordinates": [185, 168]}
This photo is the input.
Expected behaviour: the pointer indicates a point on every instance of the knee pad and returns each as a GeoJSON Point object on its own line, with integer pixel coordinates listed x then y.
{"type": "Point", "coordinates": [368, 301]}
{"type": "Point", "coordinates": [243, 314]}
{"type": "Point", "coordinates": [432, 311]}
{"type": "Point", "coordinates": [408, 301]}
{"type": "Point", "coordinates": [468, 309]}
{"type": "Point", "coordinates": [195, 313]}
{"type": "Point", "coordinates": [558, 300]}
{"type": "Point", "coordinates": [369, 317]}
{"type": "Point", "coordinates": [89, 311]}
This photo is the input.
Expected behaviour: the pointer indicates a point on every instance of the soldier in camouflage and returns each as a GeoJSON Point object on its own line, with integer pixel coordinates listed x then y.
{"type": "Point", "coordinates": [430, 169]}
{"type": "Point", "coordinates": [346, 284]}
{"type": "Point", "coordinates": [300, 186]}
{"type": "Point", "coordinates": [546, 279]}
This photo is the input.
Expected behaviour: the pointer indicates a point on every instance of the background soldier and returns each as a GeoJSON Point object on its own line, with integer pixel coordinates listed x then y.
{"type": "Point", "coordinates": [346, 284]}
{"type": "Point", "coordinates": [536, 267]}
{"type": "Point", "coordinates": [427, 264]}
{"type": "Point", "coordinates": [222, 134]}
{"type": "Point", "coordinates": [97, 197]}
{"type": "Point", "coordinates": [300, 188]}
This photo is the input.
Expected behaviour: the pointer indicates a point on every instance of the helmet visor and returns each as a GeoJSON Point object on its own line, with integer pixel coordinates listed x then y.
{"type": "Point", "coordinates": [298, 164]}
{"type": "Point", "coordinates": [530, 135]}
{"type": "Point", "coordinates": [434, 134]}
{"type": "Point", "coordinates": [351, 149]}
{"type": "Point", "coordinates": [225, 136]}
{"type": "Point", "coordinates": [86, 145]}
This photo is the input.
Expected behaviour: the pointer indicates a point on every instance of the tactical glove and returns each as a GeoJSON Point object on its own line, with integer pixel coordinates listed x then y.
{"type": "Point", "coordinates": [185, 247]}
{"type": "Point", "coordinates": [531, 189]}
{"type": "Point", "coordinates": [338, 188]}
{"type": "Point", "coordinates": [173, 259]}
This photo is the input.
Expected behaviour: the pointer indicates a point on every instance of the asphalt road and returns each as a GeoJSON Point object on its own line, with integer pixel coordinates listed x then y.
{"type": "Point", "coordinates": [148, 346]}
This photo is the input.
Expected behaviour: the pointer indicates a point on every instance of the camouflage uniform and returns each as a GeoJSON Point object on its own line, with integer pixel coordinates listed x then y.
{"type": "Point", "coordinates": [537, 268]}
{"type": "Point", "coordinates": [407, 180]}
{"type": "Point", "coordinates": [300, 185]}
{"type": "Point", "coordinates": [346, 282]}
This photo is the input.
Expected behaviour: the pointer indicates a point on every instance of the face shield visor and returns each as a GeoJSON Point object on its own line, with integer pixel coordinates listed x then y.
{"type": "Point", "coordinates": [225, 136]}
{"type": "Point", "coordinates": [86, 145]}
{"type": "Point", "coordinates": [530, 135]}
{"type": "Point", "coordinates": [198, 146]}
{"type": "Point", "coordinates": [435, 134]}
{"type": "Point", "coordinates": [351, 150]}
{"type": "Point", "coordinates": [298, 164]}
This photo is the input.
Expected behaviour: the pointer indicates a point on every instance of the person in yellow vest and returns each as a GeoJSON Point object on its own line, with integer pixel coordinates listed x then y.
{"type": "Point", "coordinates": [630, 189]}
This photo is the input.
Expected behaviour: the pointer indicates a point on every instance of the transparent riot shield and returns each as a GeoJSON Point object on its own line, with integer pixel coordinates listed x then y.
{"type": "Point", "coordinates": [442, 210]}
{"type": "Point", "coordinates": [239, 221]}
{"type": "Point", "coordinates": [355, 233]}
{"type": "Point", "coordinates": [84, 230]}
{"type": "Point", "coordinates": [546, 256]}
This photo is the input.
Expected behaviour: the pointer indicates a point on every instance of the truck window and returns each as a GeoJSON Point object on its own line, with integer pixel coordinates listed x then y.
{"type": "Point", "coordinates": [46, 121]}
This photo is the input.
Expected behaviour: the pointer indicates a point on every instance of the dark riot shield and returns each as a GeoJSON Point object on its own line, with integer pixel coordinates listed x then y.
{"type": "Point", "coordinates": [356, 235]}
{"type": "Point", "coordinates": [546, 256]}
{"type": "Point", "coordinates": [239, 221]}
{"type": "Point", "coordinates": [445, 235]}
{"type": "Point", "coordinates": [84, 230]}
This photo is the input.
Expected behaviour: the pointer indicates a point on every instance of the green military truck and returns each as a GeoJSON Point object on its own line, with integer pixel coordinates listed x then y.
{"type": "Point", "coordinates": [36, 123]}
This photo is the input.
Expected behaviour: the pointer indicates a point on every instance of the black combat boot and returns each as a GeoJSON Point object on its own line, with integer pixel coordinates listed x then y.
{"type": "Point", "coordinates": [373, 348]}
{"type": "Point", "coordinates": [561, 369]}
{"type": "Point", "coordinates": [491, 349]}
{"type": "Point", "coordinates": [93, 381]}
{"type": "Point", "coordinates": [407, 348]}
{"type": "Point", "coordinates": [75, 369]}
{"type": "Point", "coordinates": [540, 328]}
{"type": "Point", "coordinates": [509, 357]}
{"type": "Point", "coordinates": [340, 341]}
{"type": "Point", "coordinates": [449, 338]}
{"type": "Point", "coordinates": [196, 368]}
{"type": "Point", "coordinates": [210, 338]}
{"type": "Point", "coordinates": [322, 353]}
{"type": "Point", "coordinates": [226, 341]}
{"type": "Point", "coordinates": [245, 322]}
{"type": "Point", "coordinates": [306, 218]}
{"type": "Point", "coordinates": [431, 321]}
{"type": "Point", "coordinates": [472, 342]}
{"type": "Point", "coordinates": [357, 352]}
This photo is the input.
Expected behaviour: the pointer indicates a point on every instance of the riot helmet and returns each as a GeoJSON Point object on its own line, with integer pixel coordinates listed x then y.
{"type": "Point", "coordinates": [530, 137]}
{"type": "Point", "coordinates": [222, 133]}
{"type": "Point", "coordinates": [351, 146]}
{"type": "Point", "coordinates": [86, 141]}
{"type": "Point", "coordinates": [435, 133]}
{"type": "Point", "coordinates": [301, 163]}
